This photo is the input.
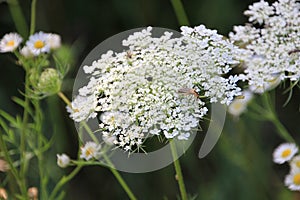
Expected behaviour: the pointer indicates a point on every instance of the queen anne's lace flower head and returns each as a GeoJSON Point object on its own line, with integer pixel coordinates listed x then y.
{"type": "Point", "coordinates": [10, 42]}
{"type": "Point", "coordinates": [154, 87]}
{"type": "Point", "coordinates": [273, 45]}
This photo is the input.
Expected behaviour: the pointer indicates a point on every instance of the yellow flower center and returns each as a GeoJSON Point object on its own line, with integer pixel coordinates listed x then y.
{"type": "Point", "coordinates": [39, 44]}
{"type": "Point", "coordinates": [298, 163]}
{"type": "Point", "coordinates": [10, 43]}
{"type": "Point", "coordinates": [286, 153]}
{"type": "Point", "coordinates": [89, 151]}
{"type": "Point", "coordinates": [238, 106]}
{"type": "Point", "coordinates": [296, 179]}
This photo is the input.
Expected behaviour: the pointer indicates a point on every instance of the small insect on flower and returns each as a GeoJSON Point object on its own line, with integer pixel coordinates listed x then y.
{"type": "Point", "coordinates": [294, 51]}
{"type": "Point", "coordinates": [188, 91]}
{"type": "Point", "coordinates": [129, 54]}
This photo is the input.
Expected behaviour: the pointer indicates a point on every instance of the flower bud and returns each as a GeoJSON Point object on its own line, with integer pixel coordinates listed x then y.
{"type": "Point", "coordinates": [63, 160]}
{"type": "Point", "coordinates": [49, 82]}
{"type": "Point", "coordinates": [3, 194]}
{"type": "Point", "coordinates": [3, 166]}
{"type": "Point", "coordinates": [33, 193]}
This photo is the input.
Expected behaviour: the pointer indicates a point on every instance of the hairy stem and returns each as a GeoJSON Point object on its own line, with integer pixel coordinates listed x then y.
{"type": "Point", "coordinates": [63, 181]}
{"type": "Point", "coordinates": [179, 176]}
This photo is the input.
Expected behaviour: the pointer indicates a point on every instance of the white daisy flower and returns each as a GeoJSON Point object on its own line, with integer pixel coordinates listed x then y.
{"type": "Point", "coordinates": [90, 150]}
{"type": "Point", "coordinates": [54, 41]}
{"type": "Point", "coordinates": [295, 163]}
{"type": "Point", "coordinates": [292, 180]}
{"type": "Point", "coordinates": [239, 105]}
{"type": "Point", "coordinates": [10, 42]}
{"type": "Point", "coordinates": [284, 152]}
{"type": "Point", "coordinates": [63, 160]}
{"type": "Point", "coordinates": [26, 52]}
{"type": "Point", "coordinates": [38, 43]}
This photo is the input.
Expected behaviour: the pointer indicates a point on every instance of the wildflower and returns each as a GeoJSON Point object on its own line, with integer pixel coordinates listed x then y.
{"type": "Point", "coordinates": [3, 194]}
{"type": "Point", "coordinates": [136, 93]}
{"type": "Point", "coordinates": [49, 81]}
{"type": "Point", "coordinates": [26, 52]}
{"type": "Point", "coordinates": [63, 160]}
{"type": "Point", "coordinates": [284, 152]}
{"type": "Point", "coordinates": [272, 46]}
{"type": "Point", "coordinates": [38, 43]}
{"type": "Point", "coordinates": [4, 167]}
{"type": "Point", "coordinates": [90, 150]}
{"type": "Point", "coordinates": [239, 104]}
{"type": "Point", "coordinates": [53, 40]}
{"type": "Point", "coordinates": [292, 180]}
{"type": "Point", "coordinates": [10, 42]}
{"type": "Point", "coordinates": [33, 193]}
{"type": "Point", "coordinates": [295, 163]}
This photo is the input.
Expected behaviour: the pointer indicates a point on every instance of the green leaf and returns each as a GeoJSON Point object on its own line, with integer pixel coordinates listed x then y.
{"type": "Point", "coordinates": [22, 103]}
{"type": "Point", "coordinates": [8, 117]}
{"type": "Point", "coordinates": [63, 58]}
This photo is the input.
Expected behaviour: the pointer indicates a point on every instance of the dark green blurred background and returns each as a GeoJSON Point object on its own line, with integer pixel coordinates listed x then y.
{"type": "Point", "coordinates": [239, 167]}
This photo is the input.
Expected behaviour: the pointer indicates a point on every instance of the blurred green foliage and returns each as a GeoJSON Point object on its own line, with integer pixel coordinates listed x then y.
{"type": "Point", "coordinates": [239, 167]}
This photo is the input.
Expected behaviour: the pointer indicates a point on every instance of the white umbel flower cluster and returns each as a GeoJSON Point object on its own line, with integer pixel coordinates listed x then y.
{"type": "Point", "coordinates": [155, 88]}
{"type": "Point", "coordinates": [273, 41]}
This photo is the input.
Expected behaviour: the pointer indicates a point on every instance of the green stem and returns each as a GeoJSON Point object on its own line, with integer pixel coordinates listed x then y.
{"type": "Point", "coordinates": [12, 168]}
{"type": "Point", "coordinates": [180, 13]}
{"type": "Point", "coordinates": [282, 131]}
{"type": "Point", "coordinates": [23, 158]}
{"type": "Point", "coordinates": [63, 181]}
{"type": "Point", "coordinates": [43, 176]}
{"type": "Point", "coordinates": [65, 99]}
{"type": "Point", "coordinates": [18, 17]}
{"type": "Point", "coordinates": [119, 178]}
{"type": "Point", "coordinates": [272, 117]}
{"type": "Point", "coordinates": [110, 164]}
{"type": "Point", "coordinates": [32, 19]}
{"type": "Point", "coordinates": [114, 171]}
{"type": "Point", "coordinates": [179, 176]}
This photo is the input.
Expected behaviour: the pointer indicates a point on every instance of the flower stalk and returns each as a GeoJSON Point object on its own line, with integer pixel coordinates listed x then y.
{"type": "Point", "coordinates": [179, 176]}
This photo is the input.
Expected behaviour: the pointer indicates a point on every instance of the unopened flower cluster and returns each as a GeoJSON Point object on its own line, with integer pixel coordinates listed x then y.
{"type": "Point", "coordinates": [273, 40]}
{"type": "Point", "coordinates": [154, 88]}
{"type": "Point", "coordinates": [286, 152]}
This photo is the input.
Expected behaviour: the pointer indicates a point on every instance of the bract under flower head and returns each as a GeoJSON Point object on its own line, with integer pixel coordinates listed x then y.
{"type": "Point", "coordinates": [137, 93]}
